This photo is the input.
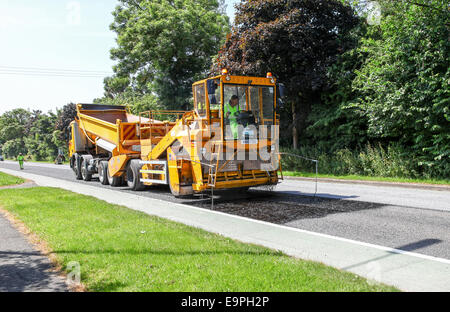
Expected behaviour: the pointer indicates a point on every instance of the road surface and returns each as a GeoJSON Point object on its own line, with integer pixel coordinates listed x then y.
{"type": "Point", "coordinates": [22, 268]}
{"type": "Point", "coordinates": [410, 219]}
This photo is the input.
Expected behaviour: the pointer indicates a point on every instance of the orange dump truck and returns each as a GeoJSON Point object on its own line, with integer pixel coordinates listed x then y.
{"type": "Point", "coordinates": [229, 140]}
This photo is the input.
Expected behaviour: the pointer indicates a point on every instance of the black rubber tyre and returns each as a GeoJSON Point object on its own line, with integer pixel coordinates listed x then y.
{"type": "Point", "coordinates": [133, 175]}
{"type": "Point", "coordinates": [185, 191]}
{"type": "Point", "coordinates": [85, 174]}
{"type": "Point", "coordinates": [76, 166]}
{"type": "Point", "coordinates": [114, 181]}
{"type": "Point", "coordinates": [103, 172]}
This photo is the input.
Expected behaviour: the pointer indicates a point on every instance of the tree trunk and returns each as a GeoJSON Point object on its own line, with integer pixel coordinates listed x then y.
{"type": "Point", "coordinates": [294, 126]}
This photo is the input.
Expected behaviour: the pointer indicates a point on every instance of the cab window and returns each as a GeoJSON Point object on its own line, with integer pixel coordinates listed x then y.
{"type": "Point", "coordinates": [239, 91]}
{"type": "Point", "coordinates": [200, 99]}
{"type": "Point", "coordinates": [213, 86]}
{"type": "Point", "coordinates": [267, 97]}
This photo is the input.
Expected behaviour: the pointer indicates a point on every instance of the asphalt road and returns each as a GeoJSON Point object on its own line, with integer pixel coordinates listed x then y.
{"type": "Point", "coordinates": [410, 219]}
{"type": "Point", "coordinates": [21, 267]}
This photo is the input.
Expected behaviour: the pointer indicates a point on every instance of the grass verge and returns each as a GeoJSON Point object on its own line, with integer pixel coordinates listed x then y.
{"type": "Point", "coordinates": [365, 178]}
{"type": "Point", "coordinates": [123, 250]}
{"type": "Point", "coordinates": [6, 179]}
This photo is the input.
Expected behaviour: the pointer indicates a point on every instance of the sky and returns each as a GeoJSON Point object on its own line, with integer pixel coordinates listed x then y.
{"type": "Point", "coordinates": [53, 52]}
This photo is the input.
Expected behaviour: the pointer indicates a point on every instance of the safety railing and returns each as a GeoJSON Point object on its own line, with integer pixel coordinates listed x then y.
{"type": "Point", "coordinates": [162, 115]}
{"type": "Point", "coordinates": [315, 161]}
{"type": "Point", "coordinates": [149, 120]}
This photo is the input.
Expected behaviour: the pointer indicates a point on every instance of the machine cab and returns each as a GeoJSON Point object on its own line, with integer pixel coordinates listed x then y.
{"type": "Point", "coordinates": [234, 103]}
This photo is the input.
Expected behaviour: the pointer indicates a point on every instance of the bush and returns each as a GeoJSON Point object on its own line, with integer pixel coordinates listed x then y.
{"type": "Point", "coordinates": [375, 161]}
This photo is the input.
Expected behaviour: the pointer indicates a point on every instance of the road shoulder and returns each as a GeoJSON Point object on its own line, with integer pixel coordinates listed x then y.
{"type": "Point", "coordinates": [435, 187]}
{"type": "Point", "coordinates": [23, 268]}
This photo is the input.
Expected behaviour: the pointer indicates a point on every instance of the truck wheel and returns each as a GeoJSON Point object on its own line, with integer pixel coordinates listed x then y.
{"type": "Point", "coordinates": [85, 174]}
{"type": "Point", "coordinates": [133, 176]}
{"type": "Point", "coordinates": [114, 181]}
{"type": "Point", "coordinates": [103, 172]}
{"type": "Point", "coordinates": [76, 166]}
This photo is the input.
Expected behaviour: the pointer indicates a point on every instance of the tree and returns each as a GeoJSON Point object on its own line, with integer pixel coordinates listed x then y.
{"type": "Point", "coordinates": [297, 40]}
{"type": "Point", "coordinates": [13, 124]}
{"type": "Point", "coordinates": [13, 148]}
{"type": "Point", "coordinates": [65, 116]}
{"type": "Point", "coordinates": [29, 133]}
{"type": "Point", "coordinates": [404, 83]}
{"type": "Point", "coordinates": [136, 102]}
{"type": "Point", "coordinates": [13, 128]}
{"type": "Point", "coordinates": [39, 141]}
{"type": "Point", "coordinates": [335, 122]}
{"type": "Point", "coordinates": [164, 46]}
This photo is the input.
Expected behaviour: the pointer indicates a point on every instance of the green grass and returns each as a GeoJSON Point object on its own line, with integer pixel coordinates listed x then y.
{"type": "Point", "coordinates": [365, 178]}
{"type": "Point", "coordinates": [6, 179]}
{"type": "Point", "coordinates": [123, 250]}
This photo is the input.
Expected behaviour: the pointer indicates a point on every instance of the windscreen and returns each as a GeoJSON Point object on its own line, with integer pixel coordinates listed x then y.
{"type": "Point", "coordinates": [256, 99]}
{"type": "Point", "coordinates": [247, 107]}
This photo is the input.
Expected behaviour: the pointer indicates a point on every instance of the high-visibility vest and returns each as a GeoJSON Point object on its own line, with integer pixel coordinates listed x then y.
{"type": "Point", "coordinates": [232, 110]}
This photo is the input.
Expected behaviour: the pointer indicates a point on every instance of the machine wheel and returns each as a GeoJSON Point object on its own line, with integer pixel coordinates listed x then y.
{"type": "Point", "coordinates": [133, 176]}
{"type": "Point", "coordinates": [181, 191]}
{"type": "Point", "coordinates": [114, 181]}
{"type": "Point", "coordinates": [103, 172]}
{"type": "Point", "coordinates": [75, 163]}
{"type": "Point", "coordinates": [85, 174]}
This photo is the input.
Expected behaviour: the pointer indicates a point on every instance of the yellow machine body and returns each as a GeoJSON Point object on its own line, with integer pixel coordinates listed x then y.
{"type": "Point", "coordinates": [169, 146]}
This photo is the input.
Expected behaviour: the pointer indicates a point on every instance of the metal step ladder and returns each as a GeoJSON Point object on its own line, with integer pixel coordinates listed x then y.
{"type": "Point", "coordinates": [212, 174]}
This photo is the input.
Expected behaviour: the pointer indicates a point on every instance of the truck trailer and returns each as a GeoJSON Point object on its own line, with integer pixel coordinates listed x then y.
{"type": "Point", "coordinates": [216, 145]}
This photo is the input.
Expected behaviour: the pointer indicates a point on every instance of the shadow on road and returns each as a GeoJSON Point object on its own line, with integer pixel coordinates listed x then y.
{"type": "Point", "coordinates": [27, 271]}
{"type": "Point", "coordinates": [409, 247]}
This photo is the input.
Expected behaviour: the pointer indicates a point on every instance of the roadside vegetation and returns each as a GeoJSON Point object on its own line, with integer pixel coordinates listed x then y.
{"type": "Point", "coordinates": [371, 163]}
{"type": "Point", "coordinates": [123, 250]}
{"type": "Point", "coordinates": [6, 180]}
{"type": "Point", "coordinates": [376, 83]}
{"type": "Point", "coordinates": [33, 133]}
